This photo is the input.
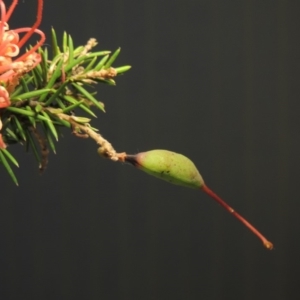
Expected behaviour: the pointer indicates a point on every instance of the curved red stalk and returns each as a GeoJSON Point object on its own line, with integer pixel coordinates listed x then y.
{"type": "Point", "coordinates": [35, 25]}
{"type": "Point", "coordinates": [209, 192]}
{"type": "Point", "coordinates": [4, 69]}
{"type": "Point", "coordinates": [10, 10]}
{"type": "Point", "coordinates": [40, 42]}
{"type": "Point", "coordinates": [3, 12]}
{"type": "Point", "coordinates": [3, 15]}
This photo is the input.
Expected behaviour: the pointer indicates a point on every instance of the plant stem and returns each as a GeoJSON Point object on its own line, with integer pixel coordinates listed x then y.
{"type": "Point", "coordinates": [265, 242]}
{"type": "Point", "coordinates": [106, 148]}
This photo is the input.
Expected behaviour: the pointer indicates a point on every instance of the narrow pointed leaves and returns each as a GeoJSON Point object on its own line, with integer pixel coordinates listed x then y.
{"type": "Point", "coordinates": [49, 138]}
{"type": "Point", "coordinates": [90, 65]}
{"type": "Point", "coordinates": [53, 78]}
{"type": "Point", "coordinates": [65, 42]}
{"type": "Point", "coordinates": [32, 94]}
{"type": "Point", "coordinates": [55, 48]}
{"type": "Point", "coordinates": [112, 58]}
{"type": "Point", "coordinates": [21, 111]}
{"type": "Point", "coordinates": [56, 93]}
{"type": "Point", "coordinates": [72, 107]}
{"type": "Point", "coordinates": [101, 63]}
{"type": "Point", "coordinates": [43, 64]}
{"type": "Point", "coordinates": [11, 134]}
{"type": "Point", "coordinates": [20, 128]}
{"type": "Point", "coordinates": [10, 157]}
{"type": "Point", "coordinates": [123, 69]}
{"type": "Point", "coordinates": [81, 59]}
{"type": "Point", "coordinates": [31, 119]}
{"type": "Point", "coordinates": [50, 125]}
{"type": "Point", "coordinates": [31, 143]}
{"type": "Point", "coordinates": [89, 96]}
{"type": "Point", "coordinates": [24, 82]}
{"type": "Point", "coordinates": [71, 49]}
{"type": "Point", "coordinates": [83, 106]}
{"type": "Point", "coordinates": [7, 167]}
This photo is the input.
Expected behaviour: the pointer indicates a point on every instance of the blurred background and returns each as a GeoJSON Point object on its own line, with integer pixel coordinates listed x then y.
{"type": "Point", "coordinates": [215, 80]}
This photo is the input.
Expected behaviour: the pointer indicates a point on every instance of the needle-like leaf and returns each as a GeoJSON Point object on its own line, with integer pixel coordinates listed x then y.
{"type": "Point", "coordinates": [7, 167]}
{"type": "Point", "coordinates": [112, 58]}
{"type": "Point", "coordinates": [88, 95]}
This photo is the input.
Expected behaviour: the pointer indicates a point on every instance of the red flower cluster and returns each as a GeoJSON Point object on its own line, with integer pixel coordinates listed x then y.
{"type": "Point", "coordinates": [11, 66]}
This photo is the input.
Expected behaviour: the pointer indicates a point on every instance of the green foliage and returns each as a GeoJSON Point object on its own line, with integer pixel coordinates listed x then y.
{"type": "Point", "coordinates": [53, 95]}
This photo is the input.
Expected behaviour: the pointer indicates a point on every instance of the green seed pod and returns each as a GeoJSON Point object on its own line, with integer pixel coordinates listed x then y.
{"type": "Point", "coordinates": [170, 166]}
{"type": "Point", "coordinates": [178, 169]}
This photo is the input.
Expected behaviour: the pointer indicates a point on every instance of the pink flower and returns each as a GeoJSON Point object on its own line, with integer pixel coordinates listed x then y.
{"type": "Point", "coordinates": [4, 98]}
{"type": "Point", "coordinates": [2, 144]}
{"type": "Point", "coordinates": [12, 68]}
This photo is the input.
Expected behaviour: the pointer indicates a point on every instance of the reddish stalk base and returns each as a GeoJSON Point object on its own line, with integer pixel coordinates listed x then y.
{"type": "Point", "coordinates": [209, 192]}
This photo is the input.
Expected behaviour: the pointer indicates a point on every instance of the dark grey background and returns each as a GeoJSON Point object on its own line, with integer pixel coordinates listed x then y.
{"type": "Point", "coordinates": [215, 80]}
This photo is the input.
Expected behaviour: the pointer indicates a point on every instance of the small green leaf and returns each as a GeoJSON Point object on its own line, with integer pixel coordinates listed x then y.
{"type": "Point", "coordinates": [112, 58]}
{"type": "Point", "coordinates": [122, 69]}
{"type": "Point", "coordinates": [85, 107]}
{"type": "Point", "coordinates": [56, 93]}
{"type": "Point", "coordinates": [12, 135]}
{"type": "Point", "coordinates": [50, 125]}
{"type": "Point", "coordinates": [49, 138]}
{"type": "Point", "coordinates": [61, 121]}
{"type": "Point", "coordinates": [45, 55]}
{"type": "Point", "coordinates": [83, 58]}
{"type": "Point", "coordinates": [7, 167]}
{"type": "Point", "coordinates": [21, 111]}
{"type": "Point", "coordinates": [31, 119]}
{"type": "Point", "coordinates": [38, 108]}
{"type": "Point", "coordinates": [25, 81]}
{"type": "Point", "coordinates": [108, 81]}
{"type": "Point", "coordinates": [10, 157]}
{"type": "Point", "coordinates": [31, 142]}
{"type": "Point", "coordinates": [71, 49]}
{"type": "Point", "coordinates": [20, 128]}
{"type": "Point", "coordinates": [82, 106]}
{"type": "Point", "coordinates": [65, 42]}
{"type": "Point", "coordinates": [53, 78]}
{"type": "Point", "coordinates": [53, 110]}
{"type": "Point", "coordinates": [80, 119]}
{"type": "Point", "coordinates": [60, 103]}
{"type": "Point", "coordinates": [32, 94]}
{"type": "Point", "coordinates": [37, 76]}
{"type": "Point", "coordinates": [43, 63]}
{"type": "Point", "coordinates": [27, 113]}
{"type": "Point", "coordinates": [90, 65]}
{"type": "Point", "coordinates": [41, 118]}
{"type": "Point", "coordinates": [71, 107]}
{"type": "Point", "coordinates": [78, 50]}
{"type": "Point", "coordinates": [85, 93]}
{"type": "Point", "coordinates": [101, 63]}
{"type": "Point", "coordinates": [24, 84]}
{"type": "Point", "coordinates": [55, 48]}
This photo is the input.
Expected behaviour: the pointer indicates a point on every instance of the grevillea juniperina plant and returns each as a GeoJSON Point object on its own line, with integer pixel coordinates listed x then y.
{"type": "Point", "coordinates": [41, 93]}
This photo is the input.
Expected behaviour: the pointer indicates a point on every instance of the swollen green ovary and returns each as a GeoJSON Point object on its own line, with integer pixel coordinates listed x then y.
{"type": "Point", "coordinates": [170, 166]}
